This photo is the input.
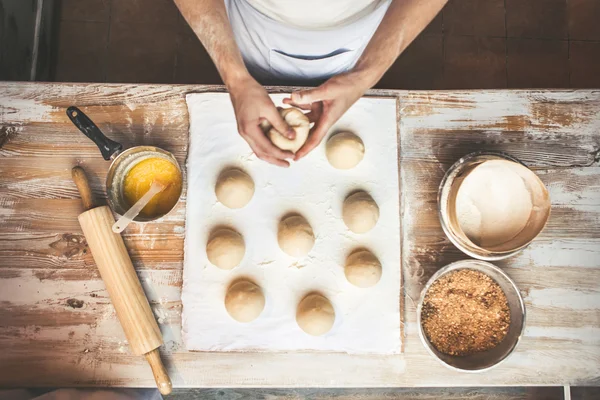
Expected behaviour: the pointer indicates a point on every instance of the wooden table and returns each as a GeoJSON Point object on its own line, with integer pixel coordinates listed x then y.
{"type": "Point", "coordinates": [58, 328]}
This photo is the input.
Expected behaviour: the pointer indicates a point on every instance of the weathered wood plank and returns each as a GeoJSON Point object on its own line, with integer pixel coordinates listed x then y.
{"type": "Point", "coordinates": [49, 140]}
{"type": "Point", "coordinates": [49, 287]}
{"type": "Point", "coordinates": [60, 215]}
{"type": "Point", "coordinates": [100, 368]}
{"type": "Point", "coordinates": [575, 268]}
{"type": "Point", "coordinates": [550, 301]}
{"type": "Point", "coordinates": [49, 177]}
{"type": "Point", "coordinates": [567, 187]}
{"type": "Point", "coordinates": [69, 251]}
{"type": "Point", "coordinates": [66, 141]}
{"type": "Point", "coordinates": [542, 129]}
{"type": "Point", "coordinates": [547, 393]}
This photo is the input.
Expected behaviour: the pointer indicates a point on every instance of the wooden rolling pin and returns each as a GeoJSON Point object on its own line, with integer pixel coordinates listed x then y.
{"type": "Point", "coordinates": [121, 281]}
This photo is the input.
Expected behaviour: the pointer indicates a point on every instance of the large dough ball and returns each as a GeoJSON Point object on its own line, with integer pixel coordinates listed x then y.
{"type": "Point", "coordinates": [344, 150]}
{"type": "Point", "coordinates": [225, 248]}
{"type": "Point", "coordinates": [234, 188]}
{"type": "Point", "coordinates": [297, 121]}
{"type": "Point", "coordinates": [315, 315]}
{"type": "Point", "coordinates": [360, 212]}
{"type": "Point", "coordinates": [244, 301]}
{"type": "Point", "coordinates": [295, 235]}
{"type": "Point", "coordinates": [362, 269]}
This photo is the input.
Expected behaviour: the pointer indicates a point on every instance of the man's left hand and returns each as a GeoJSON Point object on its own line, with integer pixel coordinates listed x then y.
{"type": "Point", "coordinates": [326, 104]}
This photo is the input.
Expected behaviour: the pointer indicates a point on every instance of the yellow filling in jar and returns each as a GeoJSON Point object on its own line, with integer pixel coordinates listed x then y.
{"type": "Point", "coordinates": [139, 179]}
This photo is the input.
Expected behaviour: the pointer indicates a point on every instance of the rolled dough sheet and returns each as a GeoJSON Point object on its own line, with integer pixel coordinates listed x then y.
{"type": "Point", "coordinates": [367, 320]}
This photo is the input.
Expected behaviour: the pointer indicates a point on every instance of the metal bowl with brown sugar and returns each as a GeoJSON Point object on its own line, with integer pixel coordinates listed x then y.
{"type": "Point", "coordinates": [122, 163]}
{"type": "Point", "coordinates": [447, 195]}
{"type": "Point", "coordinates": [481, 361]}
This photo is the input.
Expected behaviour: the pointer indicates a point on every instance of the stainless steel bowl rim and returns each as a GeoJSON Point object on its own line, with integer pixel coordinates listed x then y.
{"type": "Point", "coordinates": [451, 268]}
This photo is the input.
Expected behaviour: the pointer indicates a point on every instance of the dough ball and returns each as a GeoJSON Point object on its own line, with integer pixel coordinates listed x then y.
{"type": "Point", "coordinates": [362, 269]}
{"type": "Point", "coordinates": [225, 248]}
{"type": "Point", "coordinates": [297, 121]}
{"type": "Point", "coordinates": [244, 301]}
{"type": "Point", "coordinates": [315, 315]}
{"type": "Point", "coordinates": [234, 188]}
{"type": "Point", "coordinates": [344, 150]}
{"type": "Point", "coordinates": [295, 236]}
{"type": "Point", "coordinates": [360, 212]}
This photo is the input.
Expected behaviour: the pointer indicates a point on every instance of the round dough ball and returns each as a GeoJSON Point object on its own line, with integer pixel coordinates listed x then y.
{"type": "Point", "coordinates": [344, 150]}
{"type": "Point", "coordinates": [315, 315]}
{"type": "Point", "coordinates": [360, 212]}
{"type": "Point", "coordinates": [297, 121]}
{"type": "Point", "coordinates": [244, 301]}
{"type": "Point", "coordinates": [234, 188]}
{"type": "Point", "coordinates": [362, 269]}
{"type": "Point", "coordinates": [225, 248]}
{"type": "Point", "coordinates": [295, 236]}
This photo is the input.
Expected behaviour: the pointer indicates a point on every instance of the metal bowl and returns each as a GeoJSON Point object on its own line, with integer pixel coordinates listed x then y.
{"type": "Point", "coordinates": [447, 207]}
{"type": "Point", "coordinates": [485, 360]}
{"type": "Point", "coordinates": [122, 162]}
{"type": "Point", "coordinates": [118, 170]}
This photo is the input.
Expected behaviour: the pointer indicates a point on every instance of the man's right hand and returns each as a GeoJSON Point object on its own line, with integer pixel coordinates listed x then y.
{"type": "Point", "coordinates": [253, 105]}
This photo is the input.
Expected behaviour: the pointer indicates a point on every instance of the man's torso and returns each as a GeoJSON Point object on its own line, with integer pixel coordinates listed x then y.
{"type": "Point", "coordinates": [315, 14]}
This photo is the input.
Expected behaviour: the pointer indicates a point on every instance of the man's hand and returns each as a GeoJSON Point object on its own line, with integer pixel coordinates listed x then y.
{"type": "Point", "coordinates": [403, 21]}
{"type": "Point", "coordinates": [253, 105]}
{"type": "Point", "coordinates": [208, 19]}
{"type": "Point", "coordinates": [326, 104]}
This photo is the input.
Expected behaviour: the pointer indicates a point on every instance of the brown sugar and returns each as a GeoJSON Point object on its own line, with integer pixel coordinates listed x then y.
{"type": "Point", "coordinates": [465, 312]}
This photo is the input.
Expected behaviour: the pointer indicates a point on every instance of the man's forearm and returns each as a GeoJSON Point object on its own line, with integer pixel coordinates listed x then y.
{"type": "Point", "coordinates": [208, 19]}
{"type": "Point", "coordinates": [402, 23]}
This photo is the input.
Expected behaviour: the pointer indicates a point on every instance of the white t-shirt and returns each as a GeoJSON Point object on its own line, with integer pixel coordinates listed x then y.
{"type": "Point", "coordinates": [315, 14]}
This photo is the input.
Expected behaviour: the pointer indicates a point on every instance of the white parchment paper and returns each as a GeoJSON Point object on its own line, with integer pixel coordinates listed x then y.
{"type": "Point", "coordinates": [367, 320]}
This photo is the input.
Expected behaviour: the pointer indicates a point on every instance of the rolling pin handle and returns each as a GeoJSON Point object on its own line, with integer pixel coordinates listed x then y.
{"type": "Point", "coordinates": [163, 382]}
{"type": "Point", "coordinates": [83, 186]}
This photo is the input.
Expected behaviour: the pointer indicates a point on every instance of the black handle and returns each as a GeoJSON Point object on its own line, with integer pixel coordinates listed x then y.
{"type": "Point", "coordinates": [107, 147]}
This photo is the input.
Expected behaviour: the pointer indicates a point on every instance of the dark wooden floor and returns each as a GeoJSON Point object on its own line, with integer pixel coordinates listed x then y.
{"type": "Point", "coordinates": [471, 44]}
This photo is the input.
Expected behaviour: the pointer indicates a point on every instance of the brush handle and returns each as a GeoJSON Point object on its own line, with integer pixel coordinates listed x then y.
{"type": "Point", "coordinates": [133, 212]}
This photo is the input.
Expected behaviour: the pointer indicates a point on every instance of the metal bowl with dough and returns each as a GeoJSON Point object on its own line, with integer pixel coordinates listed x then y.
{"type": "Point", "coordinates": [447, 195]}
